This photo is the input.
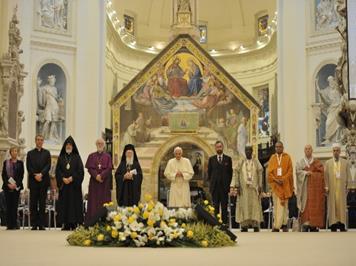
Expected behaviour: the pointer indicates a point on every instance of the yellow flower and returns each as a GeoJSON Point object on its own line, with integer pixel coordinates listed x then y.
{"type": "Point", "coordinates": [136, 210]}
{"type": "Point", "coordinates": [218, 215]}
{"type": "Point", "coordinates": [108, 228]}
{"type": "Point", "coordinates": [131, 219]}
{"type": "Point", "coordinates": [133, 235]}
{"type": "Point", "coordinates": [220, 221]}
{"type": "Point", "coordinates": [108, 204]}
{"type": "Point", "coordinates": [129, 209]}
{"type": "Point", "coordinates": [163, 224]}
{"type": "Point", "coordinates": [172, 221]}
{"type": "Point", "coordinates": [87, 242]}
{"type": "Point", "coordinates": [206, 202]}
{"type": "Point", "coordinates": [150, 222]}
{"type": "Point", "coordinates": [114, 233]}
{"type": "Point", "coordinates": [190, 234]}
{"type": "Point", "coordinates": [183, 225]}
{"type": "Point", "coordinates": [140, 206]}
{"type": "Point", "coordinates": [211, 208]}
{"type": "Point", "coordinates": [148, 197]}
{"type": "Point", "coordinates": [204, 243]}
{"type": "Point", "coordinates": [160, 212]}
{"type": "Point", "coordinates": [100, 237]}
{"type": "Point", "coordinates": [117, 218]}
{"type": "Point", "coordinates": [145, 215]}
{"type": "Point", "coordinates": [150, 206]}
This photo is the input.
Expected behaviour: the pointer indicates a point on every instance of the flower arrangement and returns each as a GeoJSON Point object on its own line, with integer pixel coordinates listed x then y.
{"type": "Point", "coordinates": [150, 225]}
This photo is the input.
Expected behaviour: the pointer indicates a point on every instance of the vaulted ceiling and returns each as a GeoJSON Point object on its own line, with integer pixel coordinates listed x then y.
{"type": "Point", "coordinates": [230, 22]}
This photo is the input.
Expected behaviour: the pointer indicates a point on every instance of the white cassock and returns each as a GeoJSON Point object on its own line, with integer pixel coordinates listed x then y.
{"type": "Point", "coordinates": [179, 195]}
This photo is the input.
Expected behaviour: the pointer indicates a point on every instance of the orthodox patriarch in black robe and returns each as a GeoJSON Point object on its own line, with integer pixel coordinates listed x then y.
{"type": "Point", "coordinates": [70, 175]}
{"type": "Point", "coordinates": [128, 178]}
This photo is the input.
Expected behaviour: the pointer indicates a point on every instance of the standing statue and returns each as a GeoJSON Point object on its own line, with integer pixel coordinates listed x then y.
{"type": "Point", "coordinates": [49, 106]}
{"type": "Point", "coordinates": [20, 119]}
{"type": "Point", "coordinates": [326, 16]}
{"type": "Point", "coordinates": [184, 6]}
{"type": "Point", "coordinates": [331, 99]}
{"type": "Point", "coordinates": [3, 120]}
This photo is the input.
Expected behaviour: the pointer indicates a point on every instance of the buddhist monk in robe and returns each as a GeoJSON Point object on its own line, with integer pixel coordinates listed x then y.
{"type": "Point", "coordinates": [311, 191]}
{"type": "Point", "coordinates": [69, 176]}
{"type": "Point", "coordinates": [99, 166]}
{"type": "Point", "coordinates": [280, 179]}
{"type": "Point", "coordinates": [128, 178]}
{"type": "Point", "coordinates": [337, 182]}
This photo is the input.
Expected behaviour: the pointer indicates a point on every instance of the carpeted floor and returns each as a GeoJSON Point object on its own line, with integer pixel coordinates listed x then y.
{"type": "Point", "coordinates": [49, 248]}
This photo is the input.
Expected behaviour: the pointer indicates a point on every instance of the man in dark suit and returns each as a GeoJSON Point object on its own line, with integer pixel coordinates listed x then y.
{"type": "Point", "coordinates": [220, 175]}
{"type": "Point", "coordinates": [38, 163]}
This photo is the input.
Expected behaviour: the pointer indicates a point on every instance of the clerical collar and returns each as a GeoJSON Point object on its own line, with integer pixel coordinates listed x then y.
{"type": "Point", "coordinates": [336, 160]}
{"type": "Point", "coordinates": [39, 149]}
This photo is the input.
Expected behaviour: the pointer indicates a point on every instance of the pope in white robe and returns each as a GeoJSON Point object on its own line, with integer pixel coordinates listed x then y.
{"type": "Point", "coordinates": [179, 171]}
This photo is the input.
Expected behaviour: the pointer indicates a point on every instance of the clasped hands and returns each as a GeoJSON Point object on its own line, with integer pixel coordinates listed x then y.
{"type": "Point", "coordinates": [279, 181]}
{"type": "Point", "coordinates": [12, 186]}
{"type": "Point", "coordinates": [128, 176]}
{"type": "Point", "coordinates": [67, 180]}
{"type": "Point", "coordinates": [179, 174]}
{"type": "Point", "coordinates": [38, 177]}
{"type": "Point", "coordinates": [234, 191]}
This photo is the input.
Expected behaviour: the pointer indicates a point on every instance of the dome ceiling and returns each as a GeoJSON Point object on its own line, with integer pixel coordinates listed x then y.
{"type": "Point", "coordinates": [231, 24]}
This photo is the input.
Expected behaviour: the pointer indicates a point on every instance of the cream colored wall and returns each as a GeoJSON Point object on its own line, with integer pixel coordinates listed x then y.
{"type": "Point", "coordinates": [81, 56]}
{"type": "Point", "coordinates": [301, 53]}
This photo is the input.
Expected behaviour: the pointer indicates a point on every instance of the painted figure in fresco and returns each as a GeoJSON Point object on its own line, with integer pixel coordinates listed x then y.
{"type": "Point", "coordinates": [161, 100]}
{"type": "Point", "coordinates": [177, 85]}
{"type": "Point", "coordinates": [142, 133]}
{"type": "Point", "coordinates": [242, 137]}
{"type": "Point", "coordinates": [130, 134]}
{"type": "Point", "coordinates": [198, 165]}
{"type": "Point", "coordinates": [210, 100]}
{"type": "Point", "coordinates": [331, 98]}
{"type": "Point", "coordinates": [195, 78]}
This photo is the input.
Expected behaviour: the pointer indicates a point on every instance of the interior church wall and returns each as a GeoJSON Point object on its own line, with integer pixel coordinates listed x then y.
{"type": "Point", "coordinates": [79, 52]}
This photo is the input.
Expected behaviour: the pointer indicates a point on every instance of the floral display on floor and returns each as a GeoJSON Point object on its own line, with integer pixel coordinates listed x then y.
{"type": "Point", "coordinates": [152, 225]}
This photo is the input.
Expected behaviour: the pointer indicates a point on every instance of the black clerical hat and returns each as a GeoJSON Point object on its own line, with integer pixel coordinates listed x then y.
{"type": "Point", "coordinates": [129, 147]}
{"type": "Point", "coordinates": [71, 141]}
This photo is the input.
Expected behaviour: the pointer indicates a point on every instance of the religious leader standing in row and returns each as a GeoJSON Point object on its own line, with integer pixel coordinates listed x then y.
{"type": "Point", "coordinates": [280, 179]}
{"type": "Point", "coordinates": [179, 172]}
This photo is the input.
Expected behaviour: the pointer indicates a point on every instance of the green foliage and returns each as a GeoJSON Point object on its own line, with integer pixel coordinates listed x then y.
{"type": "Point", "coordinates": [213, 235]}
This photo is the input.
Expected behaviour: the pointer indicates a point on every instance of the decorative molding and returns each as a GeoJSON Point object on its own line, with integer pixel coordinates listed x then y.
{"type": "Point", "coordinates": [12, 77]}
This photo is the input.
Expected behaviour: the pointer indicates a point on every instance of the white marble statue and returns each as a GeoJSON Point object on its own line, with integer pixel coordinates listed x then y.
{"type": "Point", "coordinates": [3, 120]}
{"type": "Point", "coordinates": [53, 14]}
{"type": "Point", "coordinates": [49, 104]}
{"type": "Point", "coordinates": [331, 99]}
{"type": "Point", "coordinates": [20, 120]}
{"type": "Point", "coordinates": [326, 16]}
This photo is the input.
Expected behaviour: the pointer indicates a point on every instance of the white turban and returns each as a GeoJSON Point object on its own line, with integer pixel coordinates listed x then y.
{"type": "Point", "coordinates": [336, 145]}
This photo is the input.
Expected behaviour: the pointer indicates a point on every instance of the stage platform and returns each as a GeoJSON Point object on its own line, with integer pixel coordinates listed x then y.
{"type": "Point", "coordinates": [49, 248]}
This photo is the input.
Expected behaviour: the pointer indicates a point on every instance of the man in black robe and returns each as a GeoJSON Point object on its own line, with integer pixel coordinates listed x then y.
{"type": "Point", "coordinates": [38, 163]}
{"type": "Point", "coordinates": [70, 175]}
{"type": "Point", "coordinates": [128, 178]}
